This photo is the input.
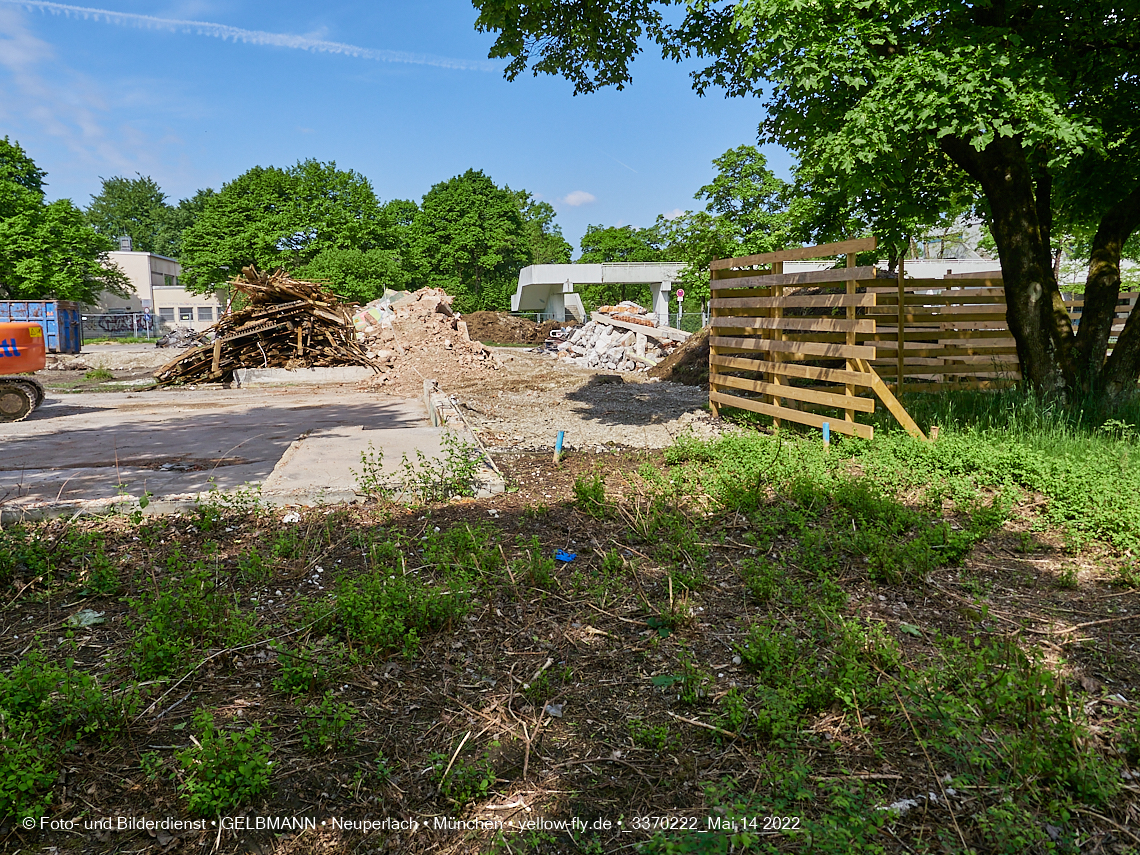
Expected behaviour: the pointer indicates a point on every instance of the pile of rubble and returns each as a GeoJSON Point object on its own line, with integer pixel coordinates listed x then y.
{"type": "Point", "coordinates": [285, 323]}
{"type": "Point", "coordinates": [414, 336]}
{"type": "Point", "coordinates": [624, 337]}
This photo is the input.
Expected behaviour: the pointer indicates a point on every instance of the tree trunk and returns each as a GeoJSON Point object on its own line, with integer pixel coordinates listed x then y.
{"type": "Point", "coordinates": [1035, 312]}
{"type": "Point", "coordinates": [1102, 289]}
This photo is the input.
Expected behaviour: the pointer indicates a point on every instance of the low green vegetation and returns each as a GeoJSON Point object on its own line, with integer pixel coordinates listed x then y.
{"type": "Point", "coordinates": [889, 646]}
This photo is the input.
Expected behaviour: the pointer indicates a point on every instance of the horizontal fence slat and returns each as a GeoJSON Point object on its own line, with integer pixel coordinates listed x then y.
{"type": "Point", "coordinates": [799, 324]}
{"type": "Point", "coordinates": [798, 416]}
{"type": "Point", "coordinates": [792, 369]}
{"type": "Point", "coordinates": [839, 275]}
{"type": "Point", "coordinates": [796, 393]}
{"type": "Point", "coordinates": [794, 301]}
{"type": "Point", "coordinates": [988, 274]}
{"type": "Point", "coordinates": [736, 274]}
{"type": "Point", "coordinates": [939, 352]}
{"type": "Point", "coordinates": [940, 300]}
{"type": "Point", "coordinates": [808, 348]}
{"type": "Point", "coordinates": [824, 250]}
{"type": "Point", "coordinates": [942, 335]}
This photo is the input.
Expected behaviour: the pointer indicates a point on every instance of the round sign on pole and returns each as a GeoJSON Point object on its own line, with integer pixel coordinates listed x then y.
{"type": "Point", "coordinates": [680, 293]}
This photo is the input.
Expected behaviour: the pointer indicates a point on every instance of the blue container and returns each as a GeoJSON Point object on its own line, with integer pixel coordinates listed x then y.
{"type": "Point", "coordinates": [59, 319]}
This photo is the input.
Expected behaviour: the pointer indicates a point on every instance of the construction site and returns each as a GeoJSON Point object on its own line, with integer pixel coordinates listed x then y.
{"type": "Point", "coordinates": [285, 394]}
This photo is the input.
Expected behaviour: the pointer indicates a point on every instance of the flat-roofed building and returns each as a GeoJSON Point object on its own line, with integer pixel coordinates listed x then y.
{"type": "Point", "coordinates": [157, 290]}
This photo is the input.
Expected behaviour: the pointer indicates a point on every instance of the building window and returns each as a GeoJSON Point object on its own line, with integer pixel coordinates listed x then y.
{"type": "Point", "coordinates": [168, 280]}
{"type": "Point", "coordinates": [166, 314]}
{"type": "Point", "coordinates": [205, 313]}
{"type": "Point", "coordinates": [185, 313]}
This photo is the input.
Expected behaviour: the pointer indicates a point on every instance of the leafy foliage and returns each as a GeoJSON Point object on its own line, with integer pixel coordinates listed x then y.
{"type": "Point", "coordinates": [47, 249]}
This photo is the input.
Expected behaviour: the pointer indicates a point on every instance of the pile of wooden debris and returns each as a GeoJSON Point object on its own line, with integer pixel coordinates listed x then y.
{"type": "Point", "coordinates": [285, 323]}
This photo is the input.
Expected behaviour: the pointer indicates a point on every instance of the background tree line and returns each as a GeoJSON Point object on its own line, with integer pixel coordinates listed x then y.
{"type": "Point", "coordinates": [467, 235]}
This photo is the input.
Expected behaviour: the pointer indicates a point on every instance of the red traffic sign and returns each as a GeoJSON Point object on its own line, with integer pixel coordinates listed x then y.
{"type": "Point", "coordinates": [680, 293]}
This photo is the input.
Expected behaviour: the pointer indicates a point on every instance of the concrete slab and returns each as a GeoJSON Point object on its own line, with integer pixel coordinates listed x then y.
{"type": "Point", "coordinates": [247, 377]}
{"type": "Point", "coordinates": [76, 450]}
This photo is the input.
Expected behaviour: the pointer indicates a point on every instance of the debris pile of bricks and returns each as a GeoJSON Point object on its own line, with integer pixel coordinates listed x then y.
{"type": "Point", "coordinates": [620, 338]}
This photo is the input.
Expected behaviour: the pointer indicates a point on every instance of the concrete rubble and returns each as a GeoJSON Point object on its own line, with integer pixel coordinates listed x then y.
{"type": "Point", "coordinates": [624, 337]}
{"type": "Point", "coordinates": [419, 324]}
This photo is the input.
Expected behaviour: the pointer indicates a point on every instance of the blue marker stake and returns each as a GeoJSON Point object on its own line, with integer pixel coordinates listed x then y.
{"type": "Point", "coordinates": [558, 446]}
{"type": "Point", "coordinates": [826, 436]}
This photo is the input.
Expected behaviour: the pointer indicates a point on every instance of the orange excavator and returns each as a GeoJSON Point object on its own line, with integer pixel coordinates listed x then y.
{"type": "Point", "coordinates": [22, 350]}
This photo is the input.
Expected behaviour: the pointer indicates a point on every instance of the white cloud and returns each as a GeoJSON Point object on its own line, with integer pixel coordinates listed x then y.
{"type": "Point", "coordinates": [578, 198]}
{"type": "Point", "coordinates": [672, 215]}
{"type": "Point", "coordinates": [255, 37]}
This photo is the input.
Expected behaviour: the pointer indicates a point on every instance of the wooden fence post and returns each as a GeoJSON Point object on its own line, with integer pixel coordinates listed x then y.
{"type": "Point", "coordinates": [901, 360]}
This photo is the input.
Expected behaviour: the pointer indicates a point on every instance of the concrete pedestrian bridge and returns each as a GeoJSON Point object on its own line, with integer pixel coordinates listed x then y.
{"type": "Point", "coordinates": [550, 288]}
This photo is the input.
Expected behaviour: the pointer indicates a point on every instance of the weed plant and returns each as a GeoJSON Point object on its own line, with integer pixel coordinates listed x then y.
{"type": "Point", "coordinates": [188, 613]}
{"type": "Point", "coordinates": [223, 770]}
{"type": "Point", "coordinates": [328, 725]}
{"type": "Point", "coordinates": [46, 710]}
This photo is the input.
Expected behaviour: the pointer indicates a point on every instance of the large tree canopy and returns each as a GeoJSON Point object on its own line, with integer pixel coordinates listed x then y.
{"type": "Point", "coordinates": [272, 217]}
{"type": "Point", "coordinates": [47, 250]}
{"type": "Point", "coordinates": [899, 108]}
{"type": "Point", "coordinates": [471, 238]}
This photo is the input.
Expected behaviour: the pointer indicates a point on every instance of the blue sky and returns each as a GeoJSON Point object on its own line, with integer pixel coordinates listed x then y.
{"type": "Point", "coordinates": [402, 92]}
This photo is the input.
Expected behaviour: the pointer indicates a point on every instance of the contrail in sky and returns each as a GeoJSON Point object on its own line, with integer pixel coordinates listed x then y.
{"type": "Point", "coordinates": [253, 37]}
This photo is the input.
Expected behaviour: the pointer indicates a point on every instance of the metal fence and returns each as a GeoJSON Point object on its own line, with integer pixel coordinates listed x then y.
{"type": "Point", "coordinates": [124, 325]}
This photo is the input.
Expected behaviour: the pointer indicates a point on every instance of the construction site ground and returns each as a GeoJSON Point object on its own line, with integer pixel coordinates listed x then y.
{"type": "Point", "coordinates": [523, 405]}
{"type": "Point", "coordinates": [97, 438]}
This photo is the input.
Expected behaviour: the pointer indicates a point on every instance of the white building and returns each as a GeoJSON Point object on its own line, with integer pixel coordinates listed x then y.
{"type": "Point", "coordinates": [157, 291]}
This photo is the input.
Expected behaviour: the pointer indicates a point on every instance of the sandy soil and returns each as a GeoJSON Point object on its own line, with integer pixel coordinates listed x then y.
{"type": "Point", "coordinates": [522, 406]}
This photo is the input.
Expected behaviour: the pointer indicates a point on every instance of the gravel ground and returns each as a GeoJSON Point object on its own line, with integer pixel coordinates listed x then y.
{"type": "Point", "coordinates": [524, 405]}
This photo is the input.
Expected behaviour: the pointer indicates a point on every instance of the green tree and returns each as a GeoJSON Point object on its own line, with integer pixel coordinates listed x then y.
{"type": "Point", "coordinates": [619, 243]}
{"type": "Point", "coordinates": [133, 207]}
{"type": "Point", "coordinates": [543, 235]}
{"type": "Point", "coordinates": [356, 274]}
{"type": "Point", "coordinates": [470, 238]}
{"type": "Point", "coordinates": [271, 217]}
{"type": "Point", "coordinates": [177, 219]}
{"type": "Point", "coordinates": [896, 108]}
{"type": "Point", "coordinates": [17, 167]}
{"type": "Point", "coordinates": [47, 250]}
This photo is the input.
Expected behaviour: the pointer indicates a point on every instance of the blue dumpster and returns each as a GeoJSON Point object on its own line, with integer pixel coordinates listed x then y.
{"type": "Point", "coordinates": [59, 319]}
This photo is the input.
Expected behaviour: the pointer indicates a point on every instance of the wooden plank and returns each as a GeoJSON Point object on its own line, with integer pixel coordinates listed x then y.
{"type": "Point", "coordinates": [809, 348]}
{"type": "Point", "coordinates": [824, 250]}
{"type": "Point", "coordinates": [837, 275]}
{"type": "Point", "coordinates": [942, 300]}
{"type": "Point", "coordinates": [797, 393]}
{"type": "Point", "coordinates": [799, 416]}
{"type": "Point", "coordinates": [913, 334]}
{"type": "Point", "coordinates": [892, 404]}
{"type": "Point", "coordinates": [988, 274]}
{"type": "Point", "coordinates": [999, 369]}
{"type": "Point", "coordinates": [794, 301]}
{"type": "Point", "coordinates": [736, 274]}
{"type": "Point", "coordinates": [659, 333]}
{"type": "Point", "coordinates": [798, 324]}
{"type": "Point", "coordinates": [791, 369]}
{"type": "Point", "coordinates": [943, 352]}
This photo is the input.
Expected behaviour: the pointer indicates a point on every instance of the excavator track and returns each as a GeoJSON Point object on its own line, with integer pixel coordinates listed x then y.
{"type": "Point", "coordinates": [18, 398]}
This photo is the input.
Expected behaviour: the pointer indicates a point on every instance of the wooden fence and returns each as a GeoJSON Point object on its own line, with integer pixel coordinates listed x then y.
{"type": "Point", "coordinates": [823, 346]}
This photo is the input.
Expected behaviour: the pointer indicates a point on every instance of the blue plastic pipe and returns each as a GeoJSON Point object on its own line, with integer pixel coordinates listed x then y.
{"type": "Point", "coordinates": [827, 434]}
{"type": "Point", "coordinates": [558, 445]}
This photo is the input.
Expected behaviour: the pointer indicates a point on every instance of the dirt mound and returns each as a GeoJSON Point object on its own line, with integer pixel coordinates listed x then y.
{"type": "Point", "coordinates": [504, 328]}
{"type": "Point", "coordinates": [688, 363]}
